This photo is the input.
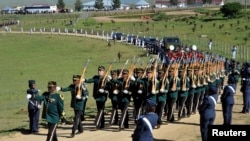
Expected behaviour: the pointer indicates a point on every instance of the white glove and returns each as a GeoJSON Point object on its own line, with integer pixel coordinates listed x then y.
{"type": "Point", "coordinates": [162, 90]}
{"type": "Point", "coordinates": [29, 96]}
{"type": "Point", "coordinates": [78, 97]}
{"type": "Point", "coordinates": [125, 91]}
{"type": "Point", "coordinates": [109, 77]}
{"type": "Point", "coordinates": [38, 90]}
{"type": "Point", "coordinates": [87, 96]}
{"type": "Point", "coordinates": [39, 106]}
{"type": "Point", "coordinates": [101, 90]}
{"type": "Point", "coordinates": [115, 92]}
{"type": "Point", "coordinates": [132, 78]}
{"type": "Point", "coordinates": [139, 91]}
{"type": "Point", "coordinates": [58, 88]}
{"type": "Point", "coordinates": [83, 80]}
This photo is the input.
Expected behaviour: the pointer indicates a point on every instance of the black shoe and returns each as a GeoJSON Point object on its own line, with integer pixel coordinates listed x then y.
{"type": "Point", "coordinates": [72, 135]}
{"type": "Point", "coordinates": [79, 132]}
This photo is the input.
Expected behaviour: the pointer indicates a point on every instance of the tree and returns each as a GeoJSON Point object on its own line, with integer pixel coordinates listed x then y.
{"type": "Point", "coordinates": [60, 4]}
{"type": "Point", "coordinates": [207, 1]}
{"type": "Point", "coordinates": [174, 2]}
{"type": "Point", "coordinates": [78, 5]}
{"type": "Point", "coordinates": [191, 2]}
{"type": "Point", "coordinates": [116, 4]}
{"type": "Point", "coordinates": [99, 4]}
{"type": "Point", "coordinates": [231, 9]}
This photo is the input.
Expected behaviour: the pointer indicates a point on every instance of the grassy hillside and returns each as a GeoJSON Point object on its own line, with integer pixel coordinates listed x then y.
{"type": "Point", "coordinates": [49, 58]}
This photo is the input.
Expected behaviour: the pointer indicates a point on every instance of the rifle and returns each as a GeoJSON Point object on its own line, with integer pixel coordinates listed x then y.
{"type": "Point", "coordinates": [78, 94]}
{"type": "Point", "coordinates": [120, 74]}
{"type": "Point", "coordinates": [106, 74]}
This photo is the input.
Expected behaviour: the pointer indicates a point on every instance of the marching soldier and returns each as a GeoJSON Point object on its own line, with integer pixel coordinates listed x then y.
{"type": "Point", "coordinates": [33, 107]}
{"type": "Point", "coordinates": [78, 96]}
{"type": "Point", "coordinates": [183, 92]}
{"type": "Point", "coordinates": [125, 97]}
{"type": "Point", "coordinates": [172, 95]}
{"type": "Point", "coordinates": [113, 88]}
{"type": "Point", "coordinates": [54, 105]}
{"type": "Point", "coordinates": [191, 91]}
{"type": "Point", "coordinates": [197, 93]}
{"type": "Point", "coordinates": [162, 95]}
{"type": "Point", "coordinates": [137, 93]}
{"type": "Point", "coordinates": [100, 94]}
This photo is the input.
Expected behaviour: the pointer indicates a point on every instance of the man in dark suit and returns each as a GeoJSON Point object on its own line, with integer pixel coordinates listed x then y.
{"type": "Point", "coordinates": [207, 111]}
{"type": "Point", "coordinates": [227, 100]}
{"type": "Point", "coordinates": [146, 123]}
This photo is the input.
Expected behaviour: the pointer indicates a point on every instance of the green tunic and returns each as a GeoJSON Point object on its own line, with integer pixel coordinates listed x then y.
{"type": "Point", "coordinates": [76, 104]}
{"type": "Point", "coordinates": [97, 80]}
{"type": "Point", "coordinates": [53, 104]}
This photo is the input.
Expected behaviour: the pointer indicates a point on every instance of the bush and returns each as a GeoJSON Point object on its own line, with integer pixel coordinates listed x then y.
{"type": "Point", "coordinates": [231, 9]}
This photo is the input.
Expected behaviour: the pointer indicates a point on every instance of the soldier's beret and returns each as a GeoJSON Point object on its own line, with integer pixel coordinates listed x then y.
{"type": "Point", "coordinates": [113, 72]}
{"type": "Point", "coordinates": [125, 71]}
{"type": "Point", "coordinates": [101, 68]}
{"type": "Point", "coordinates": [139, 70]}
{"type": "Point", "coordinates": [213, 89]}
{"type": "Point", "coordinates": [51, 83]}
{"type": "Point", "coordinates": [31, 82]}
{"type": "Point", "coordinates": [76, 77]}
{"type": "Point", "coordinates": [149, 70]}
{"type": "Point", "coordinates": [118, 71]}
{"type": "Point", "coordinates": [171, 69]}
{"type": "Point", "coordinates": [151, 103]}
{"type": "Point", "coordinates": [160, 70]}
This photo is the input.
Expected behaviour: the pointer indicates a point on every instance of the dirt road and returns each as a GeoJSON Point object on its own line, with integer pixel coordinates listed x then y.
{"type": "Point", "coordinates": [186, 129]}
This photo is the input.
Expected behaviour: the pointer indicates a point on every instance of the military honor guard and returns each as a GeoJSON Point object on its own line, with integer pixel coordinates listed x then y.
{"type": "Point", "coordinates": [146, 123]}
{"type": "Point", "coordinates": [114, 90]}
{"type": "Point", "coordinates": [124, 97]}
{"type": "Point", "coordinates": [161, 97]}
{"type": "Point", "coordinates": [183, 92]}
{"type": "Point", "coordinates": [172, 95]}
{"type": "Point", "coordinates": [33, 107]}
{"type": "Point", "coordinates": [78, 96]}
{"type": "Point", "coordinates": [137, 93]}
{"type": "Point", "coordinates": [54, 108]}
{"type": "Point", "coordinates": [100, 94]}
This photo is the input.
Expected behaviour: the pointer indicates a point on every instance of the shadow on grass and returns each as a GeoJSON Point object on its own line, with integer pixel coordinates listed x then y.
{"type": "Point", "coordinates": [21, 130]}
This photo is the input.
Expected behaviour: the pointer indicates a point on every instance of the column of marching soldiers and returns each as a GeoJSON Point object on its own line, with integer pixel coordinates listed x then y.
{"type": "Point", "coordinates": [179, 85]}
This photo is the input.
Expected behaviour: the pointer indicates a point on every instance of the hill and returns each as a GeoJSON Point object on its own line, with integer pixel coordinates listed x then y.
{"type": "Point", "coordinates": [68, 3]}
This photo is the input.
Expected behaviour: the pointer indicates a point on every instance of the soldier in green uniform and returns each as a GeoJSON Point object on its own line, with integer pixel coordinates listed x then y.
{"type": "Point", "coordinates": [100, 94]}
{"type": "Point", "coordinates": [197, 94]}
{"type": "Point", "coordinates": [191, 91]}
{"type": "Point", "coordinates": [78, 96]}
{"type": "Point", "coordinates": [172, 95]}
{"type": "Point", "coordinates": [113, 89]}
{"type": "Point", "coordinates": [137, 93]}
{"type": "Point", "coordinates": [54, 107]}
{"type": "Point", "coordinates": [183, 92]}
{"type": "Point", "coordinates": [124, 98]}
{"type": "Point", "coordinates": [162, 95]}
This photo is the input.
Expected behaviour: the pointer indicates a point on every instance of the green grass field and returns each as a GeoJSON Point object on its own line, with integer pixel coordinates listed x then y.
{"type": "Point", "coordinates": [45, 58]}
{"type": "Point", "coordinates": [58, 57]}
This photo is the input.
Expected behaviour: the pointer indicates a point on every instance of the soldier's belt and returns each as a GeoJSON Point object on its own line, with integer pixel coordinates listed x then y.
{"type": "Point", "coordinates": [246, 79]}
